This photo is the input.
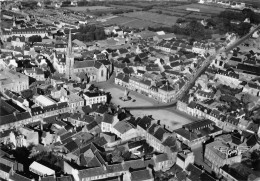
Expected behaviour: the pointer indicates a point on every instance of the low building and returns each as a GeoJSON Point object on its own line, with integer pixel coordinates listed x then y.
{"type": "Point", "coordinates": [40, 169]}
{"type": "Point", "coordinates": [44, 101]}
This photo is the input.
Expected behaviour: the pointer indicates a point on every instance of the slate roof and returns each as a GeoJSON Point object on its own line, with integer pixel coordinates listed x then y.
{"type": "Point", "coordinates": [18, 177]}
{"type": "Point", "coordinates": [71, 146]}
{"type": "Point", "coordinates": [141, 175]}
{"type": "Point", "coordinates": [108, 118]}
{"type": "Point", "coordinates": [145, 122]}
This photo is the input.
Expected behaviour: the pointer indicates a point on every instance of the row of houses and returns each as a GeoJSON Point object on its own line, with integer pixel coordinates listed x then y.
{"type": "Point", "coordinates": [164, 93]}
{"type": "Point", "coordinates": [227, 123]}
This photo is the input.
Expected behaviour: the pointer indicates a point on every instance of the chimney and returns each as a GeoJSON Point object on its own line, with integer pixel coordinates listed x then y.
{"type": "Point", "coordinates": [242, 139]}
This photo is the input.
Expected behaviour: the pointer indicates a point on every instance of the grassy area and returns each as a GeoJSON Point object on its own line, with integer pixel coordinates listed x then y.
{"type": "Point", "coordinates": [203, 8]}
{"type": "Point", "coordinates": [6, 24]}
{"type": "Point", "coordinates": [153, 17]}
{"type": "Point", "coordinates": [130, 22]}
{"type": "Point", "coordinates": [90, 8]}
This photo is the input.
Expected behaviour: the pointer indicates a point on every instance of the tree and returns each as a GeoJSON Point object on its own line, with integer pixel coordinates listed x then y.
{"type": "Point", "coordinates": [246, 98]}
{"type": "Point", "coordinates": [27, 94]}
{"type": "Point", "coordinates": [180, 20]}
{"type": "Point", "coordinates": [35, 38]}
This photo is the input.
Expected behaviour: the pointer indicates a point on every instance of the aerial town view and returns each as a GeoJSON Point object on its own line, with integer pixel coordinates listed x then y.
{"type": "Point", "coordinates": [130, 90]}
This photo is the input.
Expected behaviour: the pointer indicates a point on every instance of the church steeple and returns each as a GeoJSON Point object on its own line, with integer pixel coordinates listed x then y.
{"type": "Point", "coordinates": [69, 48]}
{"type": "Point", "coordinates": [69, 59]}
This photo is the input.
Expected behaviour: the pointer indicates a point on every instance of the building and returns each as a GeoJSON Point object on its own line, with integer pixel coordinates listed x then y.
{"type": "Point", "coordinates": [228, 78]}
{"type": "Point", "coordinates": [94, 98]}
{"type": "Point", "coordinates": [142, 175]}
{"type": "Point", "coordinates": [194, 134]}
{"type": "Point", "coordinates": [74, 101]}
{"type": "Point", "coordinates": [124, 130]}
{"type": "Point", "coordinates": [40, 169]}
{"type": "Point", "coordinates": [44, 101]}
{"type": "Point", "coordinates": [26, 32]}
{"type": "Point", "coordinates": [225, 150]}
{"type": "Point", "coordinates": [13, 81]}
{"type": "Point", "coordinates": [185, 158]}
{"type": "Point", "coordinates": [69, 73]}
{"type": "Point", "coordinates": [35, 73]}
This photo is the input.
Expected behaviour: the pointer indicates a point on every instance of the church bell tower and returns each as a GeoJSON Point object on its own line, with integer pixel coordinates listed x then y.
{"type": "Point", "coordinates": [69, 59]}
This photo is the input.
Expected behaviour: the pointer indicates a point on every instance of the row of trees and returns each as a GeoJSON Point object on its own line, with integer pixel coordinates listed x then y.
{"type": "Point", "coordinates": [89, 33]}
{"type": "Point", "coordinates": [193, 29]}
{"type": "Point", "coordinates": [223, 22]}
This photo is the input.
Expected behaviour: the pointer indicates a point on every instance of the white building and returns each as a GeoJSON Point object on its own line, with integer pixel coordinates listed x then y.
{"type": "Point", "coordinates": [94, 98]}
{"type": "Point", "coordinates": [40, 169]}
{"type": "Point", "coordinates": [44, 101]}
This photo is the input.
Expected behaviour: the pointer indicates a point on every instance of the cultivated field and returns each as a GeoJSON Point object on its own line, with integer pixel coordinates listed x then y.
{"type": "Point", "coordinates": [90, 8]}
{"type": "Point", "coordinates": [203, 8]}
{"type": "Point", "coordinates": [125, 7]}
{"type": "Point", "coordinates": [130, 22]}
{"type": "Point", "coordinates": [153, 17]}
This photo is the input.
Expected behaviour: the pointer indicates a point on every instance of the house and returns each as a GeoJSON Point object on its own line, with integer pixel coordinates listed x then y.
{"type": "Point", "coordinates": [252, 88]}
{"type": "Point", "coordinates": [27, 137]}
{"type": "Point", "coordinates": [18, 41]}
{"type": "Point", "coordinates": [195, 133]}
{"type": "Point", "coordinates": [185, 158]}
{"type": "Point", "coordinates": [5, 171]}
{"type": "Point", "coordinates": [124, 130]}
{"type": "Point", "coordinates": [228, 77]}
{"type": "Point", "coordinates": [142, 175]}
{"type": "Point", "coordinates": [108, 122]}
{"type": "Point", "coordinates": [36, 73]}
{"type": "Point", "coordinates": [197, 174]}
{"type": "Point", "coordinates": [95, 98]}
{"type": "Point", "coordinates": [74, 100]}
{"type": "Point", "coordinates": [13, 81]}
{"type": "Point", "coordinates": [202, 95]}
{"type": "Point", "coordinates": [219, 153]}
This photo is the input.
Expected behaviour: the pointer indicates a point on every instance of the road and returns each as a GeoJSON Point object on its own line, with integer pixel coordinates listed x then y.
{"type": "Point", "coordinates": [204, 66]}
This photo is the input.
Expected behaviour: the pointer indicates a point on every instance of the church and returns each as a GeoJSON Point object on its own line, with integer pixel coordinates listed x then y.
{"type": "Point", "coordinates": [94, 70]}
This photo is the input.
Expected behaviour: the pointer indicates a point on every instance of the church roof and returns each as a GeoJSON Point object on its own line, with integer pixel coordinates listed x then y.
{"type": "Point", "coordinates": [83, 64]}
{"type": "Point", "coordinates": [87, 63]}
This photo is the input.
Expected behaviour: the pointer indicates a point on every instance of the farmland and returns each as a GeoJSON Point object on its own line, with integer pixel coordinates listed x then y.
{"type": "Point", "coordinates": [130, 22]}
{"type": "Point", "coordinates": [89, 8]}
{"type": "Point", "coordinates": [203, 8]}
{"type": "Point", "coordinates": [153, 17]}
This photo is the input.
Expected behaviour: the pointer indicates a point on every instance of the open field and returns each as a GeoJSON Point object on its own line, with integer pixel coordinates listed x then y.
{"type": "Point", "coordinates": [203, 8]}
{"type": "Point", "coordinates": [125, 7]}
{"type": "Point", "coordinates": [130, 22]}
{"type": "Point", "coordinates": [153, 17]}
{"type": "Point", "coordinates": [90, 8]}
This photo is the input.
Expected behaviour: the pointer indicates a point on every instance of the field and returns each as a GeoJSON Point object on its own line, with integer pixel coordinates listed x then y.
{"type": "Point", "coordinates": [130, 22]}
{"type": "Point", "coordinates": [203, 8]}
{"type": "Point", "coordinates": [153, 17]}
{"type": "Point", "coordinates": [90, 8]}
{"type": "Point", "coordinates": [125, 7]}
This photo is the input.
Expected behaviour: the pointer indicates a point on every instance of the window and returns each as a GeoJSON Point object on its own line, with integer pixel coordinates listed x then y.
{"type": "Point", "coordinates": [102, 73]}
